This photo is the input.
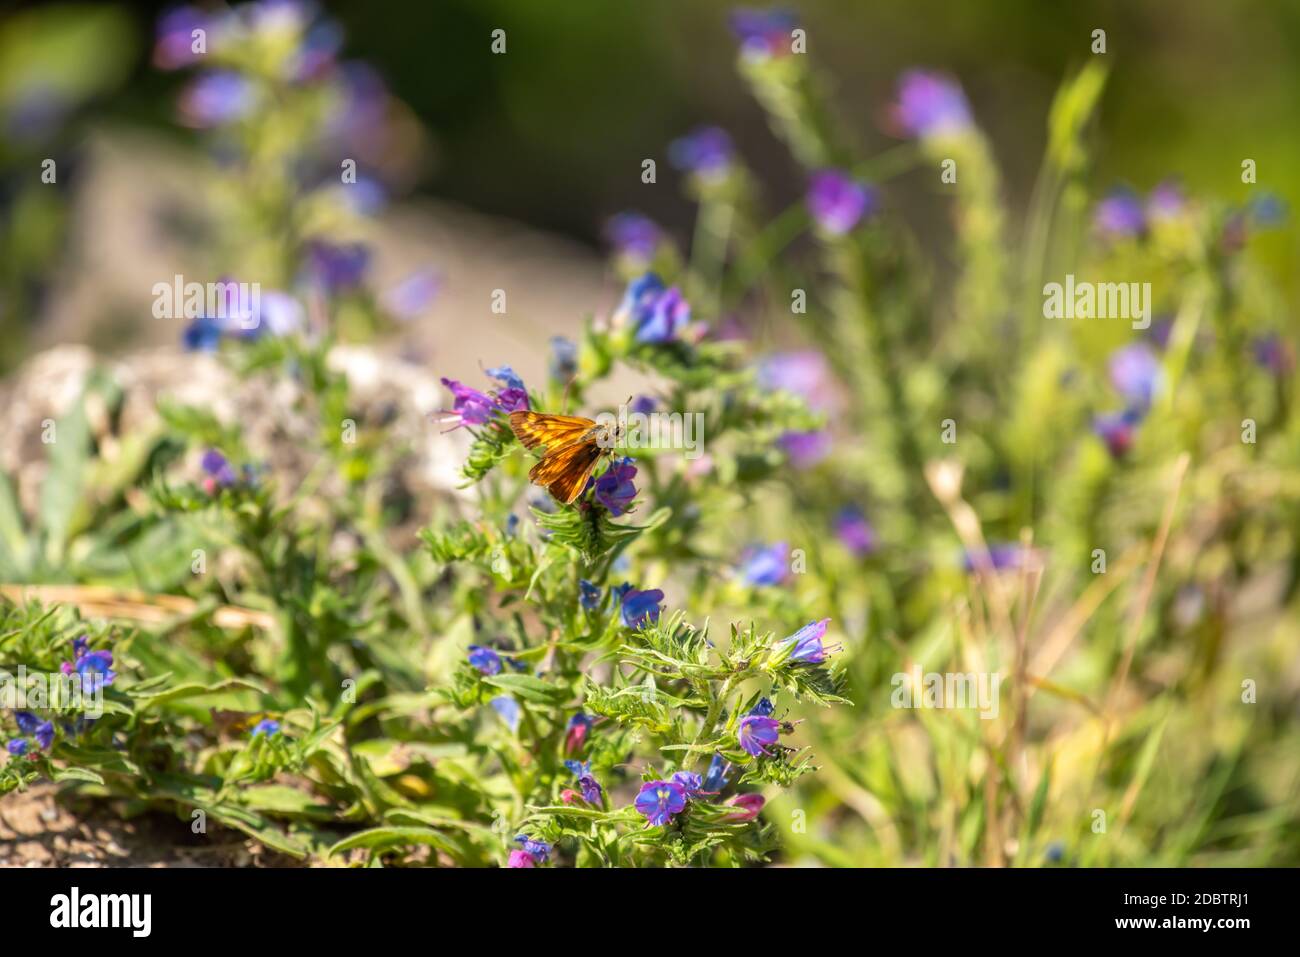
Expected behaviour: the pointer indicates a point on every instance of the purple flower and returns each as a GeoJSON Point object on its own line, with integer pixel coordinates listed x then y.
{"type": "Point", "coordinates": [564, 359]}
{"type": "Point", "coordinates": [633, 235]}
{"type": "Point", "coordinates": [267, 726]}
{"type": "Point", "coordinates": [507, 708]}
{"type": "Point", "coordinates": [763, 33]}
{"type": "Point", "coordinates": [1119, 215]}
{"type": "Point", "coordinates": [507, 377]}
{"type": "Point", "coordinates": [854, 531]}
{"type": "Point", "coordinates": [469, 406]}
{"type": "Point", "coordinates": [576, 731]}
{"type": "Point", "coordinates": [715, 778]}
{"type": "Point", "coordinates": [1117, 430]}
{"type": "Point", "coordinates": [27, 722]}
{"type": "Point", "coordinates": [1166, 201]}
{"type": "Point", "coordinates": [689, 782]}
{"type": "Point", "coordinates": [280, 314]}
{"type": "Point", "coordinates": [217, 98]}
{"type": "Point", "coordinates": [641, 608]}
{"type": "Point", "coordinates": [837, 201]}
{"type": "Point", "coordinates": [804, 372]}
{"type": "Point", "coordinates": [219, 470]}
{"type": "Point", "coordinates": [96, 669]}
{"type": "Point", "coordinates": [806, 643]}
{"type": "Point", "coordinates": [763, 708]}
{"type": "Point", "coordinates": [337, 266]}
{"type": "Point", "coordinates": [642, 405]}
{"type": "Point", "coordinates": [413, 295]}
{"type": "Point", "coordinates": [486, 660]}
{"type": "Point", "coordinates": [706, 152]}
{"type": "Point", "coordinates": [659, 801]}
{"type": "Point", "coordinates": [930, 104]}
{"type": "Point", "coordinates": [45, 735]}
{"type": "Point", "coordinates": [1003, 556]}
{"type": "Point", "coordinates": [657, 313]}
{"type": "Point", "coordinates": [174, 47]}
{"type": "Point", "coordinates": [1273, 353]}
{"type": "Point", "coordinates": [805, 449]}
{"type": "Point", "coordinates": [202, 335]}
{"type": "Point", "coordinates": [588, 594]}
{"type": "Point", "coordinates": [536, 852]}
{"type": "Point", "coordinates": [1135, 374]}
{"type": "Point", "coordinates": [747, 806]}
{"type": "Point", "coordinates": [757, 734]}
{"type": "Point", "coordinates": [765, 566]}
{"type": "Point", "coordinates": [17, 747]}
{"type": "Point", "coordinates": [591, 789]}
{"type": "Point", "coordinates": [520, 859]}
{"type": "Point", "coordinates": [614, 488]}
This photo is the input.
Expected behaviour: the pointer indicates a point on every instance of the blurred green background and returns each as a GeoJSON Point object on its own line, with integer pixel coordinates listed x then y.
{"type": "Point", "coordinates": [553, 132]}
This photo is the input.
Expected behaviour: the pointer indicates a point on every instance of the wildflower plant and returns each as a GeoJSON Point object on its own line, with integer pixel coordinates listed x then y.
{"type": "Point", "coordinates": [659, 672]}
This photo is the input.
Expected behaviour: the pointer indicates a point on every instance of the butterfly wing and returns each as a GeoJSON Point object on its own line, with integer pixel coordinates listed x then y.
{"type": "Point", "coordinates": [553, 431]}
{"type": "Point", "coordinates": [564, 471]}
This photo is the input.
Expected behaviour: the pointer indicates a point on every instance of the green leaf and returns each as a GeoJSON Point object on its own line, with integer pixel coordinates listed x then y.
{"type": "Point", "coordinates": [528, 687]}
{"type": "Point", "coordinates": [377, 838]}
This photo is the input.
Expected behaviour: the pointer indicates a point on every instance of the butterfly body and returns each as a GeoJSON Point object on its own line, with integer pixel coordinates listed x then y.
{"type": "Point", "coordinates": [572, 445]}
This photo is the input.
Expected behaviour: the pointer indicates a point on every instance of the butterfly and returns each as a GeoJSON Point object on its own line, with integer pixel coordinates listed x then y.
{"type": "Point", "coordinates": [572, 447]}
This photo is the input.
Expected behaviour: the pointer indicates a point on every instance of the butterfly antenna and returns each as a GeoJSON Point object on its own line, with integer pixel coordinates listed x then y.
{"type": "Point", "coordinates": [564, 404]}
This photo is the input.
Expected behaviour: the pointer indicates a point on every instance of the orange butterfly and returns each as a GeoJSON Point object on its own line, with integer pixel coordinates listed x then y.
{"type": "Point", "coordinates": [573, 446]}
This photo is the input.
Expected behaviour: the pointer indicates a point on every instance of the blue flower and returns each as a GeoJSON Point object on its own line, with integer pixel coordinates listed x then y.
{"type": "Point", "coordinates": [807, 643]}
{"type": "Point", "coordinates": [614, 488]}
{"type": "Point", "coordinates": [337, 266]}
{"type": "Point", "coordinates": [485, 659]}
{"type": "Point", "coordinates": [508, 709]}
{"type": "Point", "coordinates": [217, 98]}
{"type": "Point", "coordinates": [592, 792]}
{"type": "Point", "coordinates": [1120, 215]}
{"type": "Point", "coordinates": [27, 722]}
{"type": "Point", "coordinates": [267, 726]}
{"type": "Point", "coordinates": [45, 735]}
{"type": "Point", "coordinates": [854, 531]}
{"type": "Point", "coordinates": [641, 607]}
{"type": "Point", "coordinates": [758, 733]}
{"type": "Point", "coordinates": [930, 104]}
{"type": "Point", "coordinates": [588, 595]}
{"type": "Point", "coordinates": [763, 708]}
{"type": "Point", "coordinates": [17, 747]}
{"type": "Point", "coordinates": [763, 33]}
{"type": "Point", "coordinates": [689, 782]}
{"type": "Point", "coordinates": [1117, 430]}
{"type": "Point", "coordinates": [765, 566]}
{"type": "Point", "coordinates": [659, 801]}
{"type": "Point", "coordinates": [564, 359]}
{"type": "Point", "coordinates": [95, 669]}
{"type": "Point", "coordinates": [706, 152]}
{"type": "Point", "coordinates": [633, 235]}
{"type": "Point", "coordinates": [655, 312]}
{"type": "Point", "coordinates": [539, 851]}
{"type": "Point", "coordinates": [715, 778]}
{"type": "Point", "coordinates": [838, 202]}
{"type": "Point", "coordinates": [202, 335]}
{"type": "Point", "coordinates": [1135, 374]}
{"type": "Point", "coordinates": [507, 377]}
